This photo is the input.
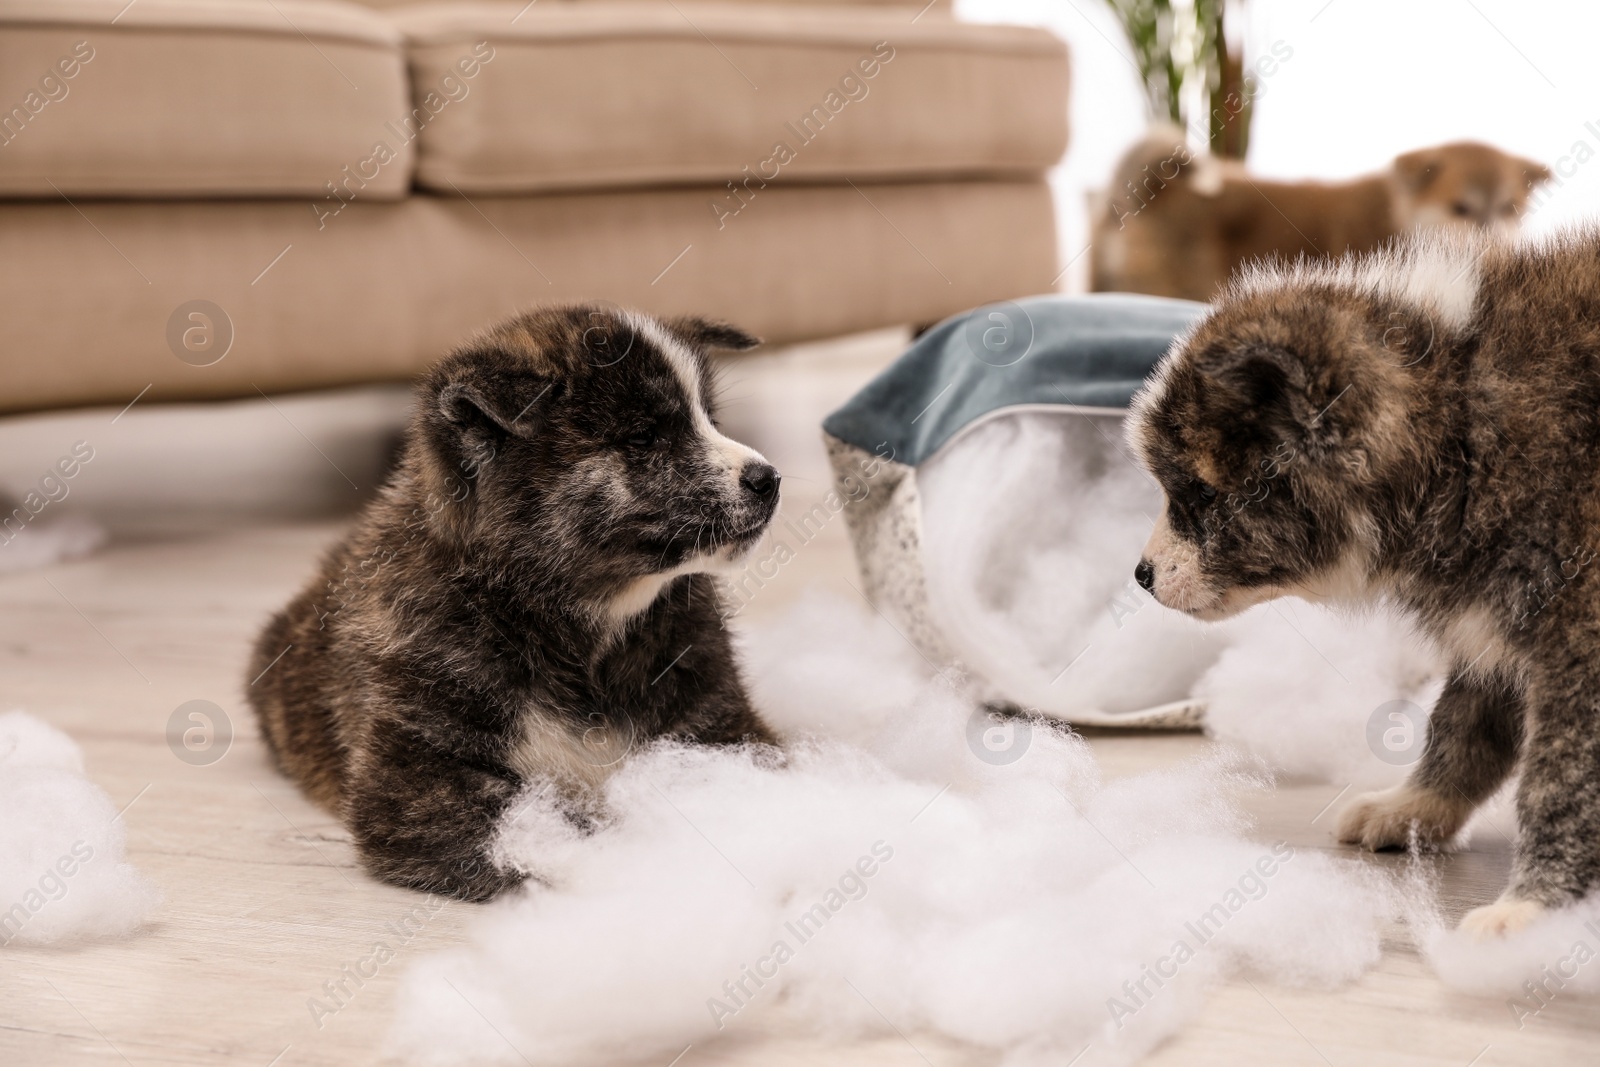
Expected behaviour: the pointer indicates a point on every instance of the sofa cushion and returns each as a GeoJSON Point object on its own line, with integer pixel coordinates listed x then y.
{"type": "Point", "coordinates": [638, 92]}
{"type": "Point", "coordinates": [199, 98]}
{"type": "Point", "coordinates": [940, 7]}
{"type": "Point", "coordinates": [214, 299]}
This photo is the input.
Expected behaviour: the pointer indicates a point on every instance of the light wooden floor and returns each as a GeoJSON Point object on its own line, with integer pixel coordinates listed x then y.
{"type": "Point", "coordinates": [263, 899]}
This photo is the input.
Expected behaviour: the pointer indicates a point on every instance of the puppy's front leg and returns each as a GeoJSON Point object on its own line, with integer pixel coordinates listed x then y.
{"type": "Point", "coordinates": [1473, 737]}
{"type": "Point", "coordinates": [731, 721]}
{"type": "Point", "coordinates": [425, 818]}
{"type": "Point", "coordinates": [1558, 807]}
{"type": "Point", "coordinates": [706, 695]}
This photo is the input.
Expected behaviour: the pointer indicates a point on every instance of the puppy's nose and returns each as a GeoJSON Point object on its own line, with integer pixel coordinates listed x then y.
{"type": "Point", "coordinates": [761, 479]}
{"type": "Point", "coordinates": [1145, 575]}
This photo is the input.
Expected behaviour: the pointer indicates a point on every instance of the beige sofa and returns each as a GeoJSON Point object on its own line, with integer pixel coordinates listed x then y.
{"type": "Point", "coordinates": [206, 198]}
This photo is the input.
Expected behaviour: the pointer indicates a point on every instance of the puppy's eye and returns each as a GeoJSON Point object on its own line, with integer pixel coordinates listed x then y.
{"type": "Point", "coordinates": [641, 441]}
{"type": "Point", "coordinates": [1207, 493]}
{"type": "Point", "coordinates": [1461, 210]}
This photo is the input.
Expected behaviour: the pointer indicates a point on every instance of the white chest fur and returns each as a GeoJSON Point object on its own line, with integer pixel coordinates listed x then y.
{"type": "Point", "coordinates": [571, 755]}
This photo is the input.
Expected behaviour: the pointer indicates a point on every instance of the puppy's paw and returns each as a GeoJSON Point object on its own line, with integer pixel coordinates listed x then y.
{"type": "Point", "coordinates": [1504, 916]}
{"type": "Point", "coordinates": [1393, 818]}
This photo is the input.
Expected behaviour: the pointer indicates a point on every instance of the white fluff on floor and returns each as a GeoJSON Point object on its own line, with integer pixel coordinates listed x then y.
{"type": "Point", "coordinates": [1003, 906]}
{"type": "Point", "coordinates": [1298, 686]}
{"type": "Point", "coordinates": [62, 872]}
{"type": "Point", "coordinates": [1554, 959]}
{"type": "Point", "coordinates": [49, 541]}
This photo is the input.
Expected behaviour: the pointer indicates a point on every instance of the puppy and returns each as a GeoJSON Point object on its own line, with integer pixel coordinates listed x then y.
{"type": "Point", "coordinates": [1177, 225]}
{"type": "Point", "coordinates": [527, 598]}
{"type": "Point", "coordinates": [1421, 425]}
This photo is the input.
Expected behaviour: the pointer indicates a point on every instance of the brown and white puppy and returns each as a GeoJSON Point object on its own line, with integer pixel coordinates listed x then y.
{"type": "Point", "coordinates": [1422, 426]}
{"type": "Point", "coordinates": [1179, 225]}
{"type": "Point", "coordinates": [527, 598]}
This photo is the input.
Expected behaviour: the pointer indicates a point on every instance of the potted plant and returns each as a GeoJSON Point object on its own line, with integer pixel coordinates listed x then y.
{"type": "Point", "coordinates": [1193, 74]}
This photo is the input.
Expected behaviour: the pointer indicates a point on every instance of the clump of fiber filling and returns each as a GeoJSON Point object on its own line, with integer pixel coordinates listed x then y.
{"type": "Point", "coordinates": [896, 882]}
{"type": "Point", "coordinates": [62, 873]}
{"type": "Point", "coordinates": [1324, 694]}
{"type": "Point", "coordinates": [1551, 966]}
{"type": "Point", "coordinates": [51, 541]}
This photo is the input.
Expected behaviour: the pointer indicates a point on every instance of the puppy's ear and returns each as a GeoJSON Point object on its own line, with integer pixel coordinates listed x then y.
{"type": "Point", "coordinates": [1271, 394]}
{"type": "Point", "coordinates": [704, 333]}
{"type": "Point", "coordinates": [1533, 174]}
{"type": "Point", "coordinates": [1417, 170]}
{"type": "Point", "coordinates": [484, 406]}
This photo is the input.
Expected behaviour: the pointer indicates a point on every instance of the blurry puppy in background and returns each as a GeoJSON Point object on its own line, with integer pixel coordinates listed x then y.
{"type": "Point", "coordinates": [1179, 224]}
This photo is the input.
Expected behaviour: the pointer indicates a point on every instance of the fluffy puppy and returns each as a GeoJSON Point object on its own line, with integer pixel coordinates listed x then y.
{"type": "Point", "coordinates": [1178, 225]}
{"type": "Point", "coordinates": [1423, 426]}
{"type": "Point", "coordinates": [528, 596]}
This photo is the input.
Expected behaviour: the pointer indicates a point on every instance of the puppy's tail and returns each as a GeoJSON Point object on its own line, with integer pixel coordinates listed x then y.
{"type": "Point", "coordinates": [1157, 162]}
